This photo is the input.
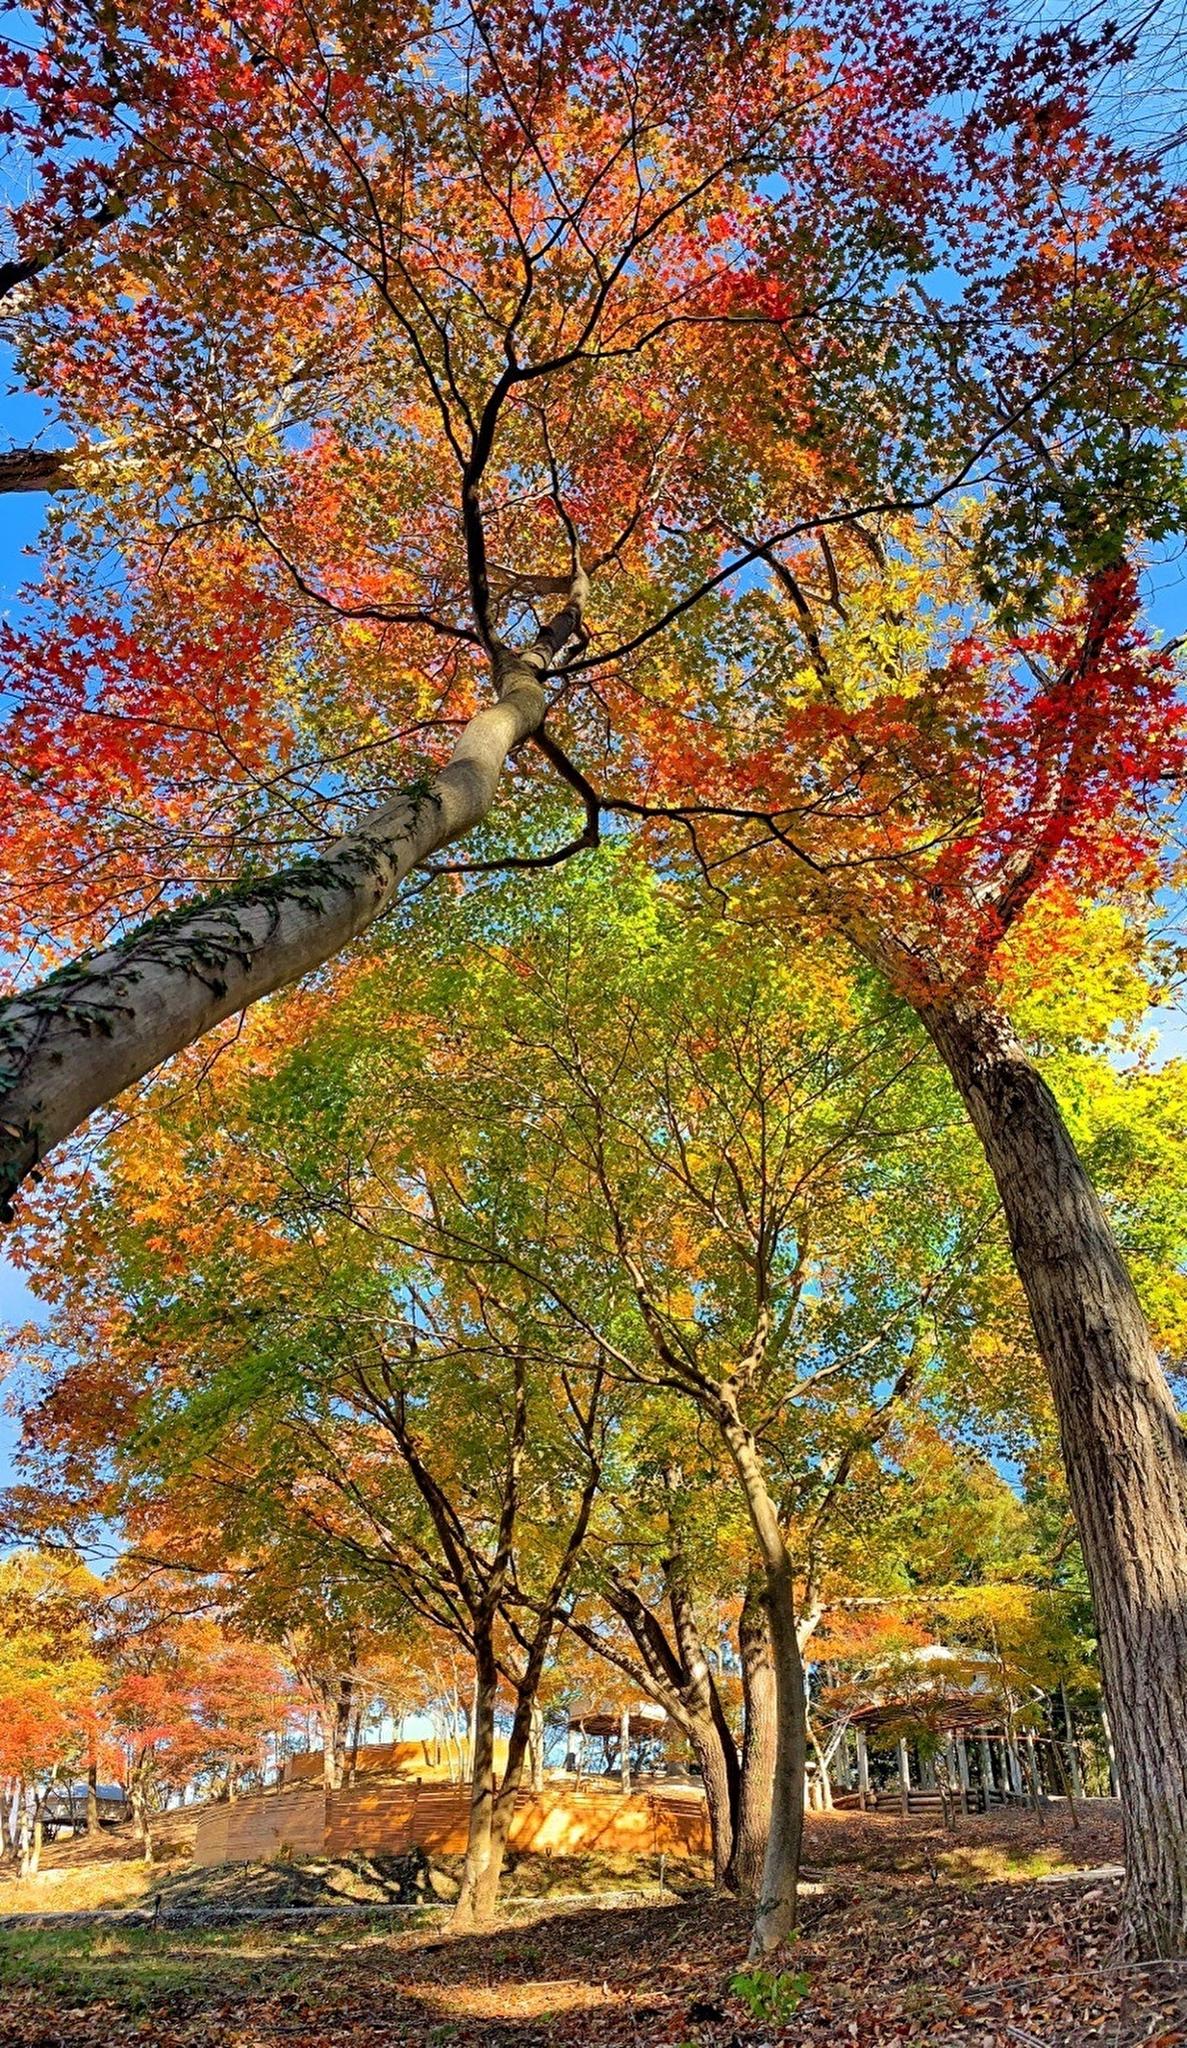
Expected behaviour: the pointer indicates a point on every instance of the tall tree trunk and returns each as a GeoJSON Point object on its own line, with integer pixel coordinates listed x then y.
{"type": "Point", "coordinates": [823, 1780]}
{"type": "Point", "coordinates": [758, 1738]}
{"type": "Point", "coordinates": [1123, 1447]}
{"type": "Point", "coordinates": [776, 1913]}
{"type": "Point", "coordinates": [472, 1901]}
{"type": "Point", "coordinates": [713, 1744]}
{"type": "Point", "coordinates": [491, 1828]}
{"type": "Point", "coordinates": [1110, 1751]}
{"type": "Point", "coordinates": [24, 1834]}
{"type": "Point", "coordinates": [341, 1726]}
{"type": "Point", "coordinates": [507, 1796]}
{"type": "Point", "coordinates": [93, 1796]}
{"type": "Point", "coordinates": [331, 1753]}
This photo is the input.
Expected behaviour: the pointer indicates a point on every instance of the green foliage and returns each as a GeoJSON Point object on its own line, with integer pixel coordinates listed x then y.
{"type": "Point", "coordinates": [771, 1997]}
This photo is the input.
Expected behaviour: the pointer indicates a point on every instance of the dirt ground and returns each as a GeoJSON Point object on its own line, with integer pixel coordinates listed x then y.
{"type": "Point", "coordinates": [975, 1940]}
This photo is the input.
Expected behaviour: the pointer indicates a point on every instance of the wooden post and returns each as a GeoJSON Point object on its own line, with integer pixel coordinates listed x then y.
{"type": "Point", "coordinates": [624, 1752]}
{"type": "Point", "coordinates": [987, 1777]}
{"type": "Point", "coordinates": [863, 1769]}
{"type": "Point", "coordinates": [962, 1763]}
{"type": "Point", "coordinates": [954, 1784]}
{"type": "Point", "coordinates": [1034, 1772]}
{"type": "Point", "coordinates": [904, 1771]}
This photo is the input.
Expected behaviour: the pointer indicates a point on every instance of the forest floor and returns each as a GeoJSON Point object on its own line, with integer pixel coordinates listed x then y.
{"type": "Point", "coordinates": [980, 1939]}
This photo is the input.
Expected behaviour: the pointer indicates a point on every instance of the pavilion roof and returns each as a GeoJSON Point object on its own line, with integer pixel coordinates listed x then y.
{"type": "Point", "coordinates": [646, 1718]}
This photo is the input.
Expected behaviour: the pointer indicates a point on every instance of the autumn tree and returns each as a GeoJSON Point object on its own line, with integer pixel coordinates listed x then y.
{"type": "Point", "coordinates": [687, 325]}
{"type": "Point", "coordinates": [677, 1606]}
{"type": "Point", "coordinates": [186, 1701]}
{"type": "Point", "coordinates": [378, 1440]}
{"type": "Point", "coordinates": [709, 1171]}
{"type": "Point", "coordinates": [651, 1145]}
{"type": "Point", "coordinates": [50, 1676]}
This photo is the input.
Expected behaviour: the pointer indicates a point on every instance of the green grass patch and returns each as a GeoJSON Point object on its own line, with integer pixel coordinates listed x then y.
{"type": "Point", "coordinates": [140, 1967]}
{"type": "Point", "coordinates": [997, 1865]}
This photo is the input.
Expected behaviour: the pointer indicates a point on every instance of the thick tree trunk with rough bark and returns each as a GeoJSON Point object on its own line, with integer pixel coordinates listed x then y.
{"type": "Point", "coordinates": [720, 1783]}
{"type": "Point", "coordinates": [758, 1739]}
{"type": "Point", "coordinates": [75, 1041]}
{"type": "Point", "coordinates": [776, 1912]}
{"type": "Point", "coordinates": [1123, 1446]}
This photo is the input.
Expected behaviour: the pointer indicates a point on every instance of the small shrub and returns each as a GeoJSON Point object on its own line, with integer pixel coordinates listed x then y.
{"type": "Point", "coordinates": [770, 1997]}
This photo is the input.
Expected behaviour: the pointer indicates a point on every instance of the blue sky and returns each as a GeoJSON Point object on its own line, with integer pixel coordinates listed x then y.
{"type": "Point", "coordinates": [21, 421]}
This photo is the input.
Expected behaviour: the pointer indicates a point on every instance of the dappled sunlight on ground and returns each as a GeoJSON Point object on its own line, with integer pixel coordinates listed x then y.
{"type": "Point", "coordinates": [909, 1934]}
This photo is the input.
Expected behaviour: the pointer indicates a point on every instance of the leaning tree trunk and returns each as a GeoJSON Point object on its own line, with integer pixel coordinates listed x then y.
{"type": "Point", "coordinates": [775, 1917]}
{"type": "Point", "coordinates": [708, 1731]}
{"type": "Point", "coordinates": [681, 1682]}
{"type": "Point", "coordinates": [76, 1040]}
{"type": "Point", "coordinates": [1123, 1447]}
{"type": "Point", "coordinates": [758, 1739]}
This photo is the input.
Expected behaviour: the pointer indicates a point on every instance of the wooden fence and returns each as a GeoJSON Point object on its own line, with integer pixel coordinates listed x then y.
{"type": "Point", "coordinates": [387, 1818]}
{"type": "Point", "coordinates": [265, 1825]}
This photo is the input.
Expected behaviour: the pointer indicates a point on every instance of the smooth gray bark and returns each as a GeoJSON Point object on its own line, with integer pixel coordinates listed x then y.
{"type": "Point", "coordinates": [77, 1040]}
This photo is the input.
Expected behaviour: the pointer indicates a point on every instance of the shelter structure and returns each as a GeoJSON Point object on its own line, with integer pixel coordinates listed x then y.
{"type": "Point", "coordinates": [938, 1729]}
{"type": "Point", "coordinates": [65, 1808]}
{"type": "Point", "coordinates": [633, 1738]}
